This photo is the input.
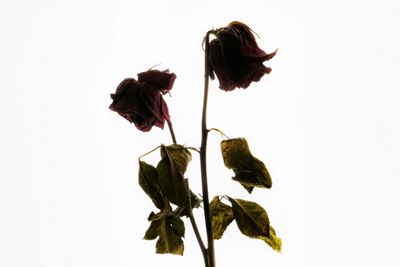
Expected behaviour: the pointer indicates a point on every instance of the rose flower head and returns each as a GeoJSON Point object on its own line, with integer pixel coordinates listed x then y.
{"type": "Point", "coordinates": [140, 101]}
{"type": "Point", "coordinates": [236, 58]}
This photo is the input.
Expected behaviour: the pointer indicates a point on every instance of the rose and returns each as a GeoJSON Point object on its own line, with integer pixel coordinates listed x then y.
{"type": "Point", "coordinates": [140, 101]}
{"type": "Point", "coordinates": [236, 58]}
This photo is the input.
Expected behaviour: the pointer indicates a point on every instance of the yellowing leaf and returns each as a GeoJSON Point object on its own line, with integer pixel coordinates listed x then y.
{"type": "Point", "coordinates": [236, 153]}
{"type": "Point", "coordinates": [177, 225]}
{"type": "Point", "coordinates": [148, 181]}
{"type": "Point", "coordinates": [221, 217]}
{"type": "Point", "coordinates": [249, 171]}
{"type": "Point", "coordinates": [273, 241]}
{"type": "Point", "coordinates": [251, 218]}
{"type": "Point", "coordinates": [170, 170]}
{"type": "Point", "coordinates": [170, 240]}
{"type": "Point", "coordinates": [169, 229]}
{"type": "Point", "coordinates": [194, 202]}
{"type": "Point", "coordinates": [179, 155]}
{"type": "Point", "coordinates": [153, 231]}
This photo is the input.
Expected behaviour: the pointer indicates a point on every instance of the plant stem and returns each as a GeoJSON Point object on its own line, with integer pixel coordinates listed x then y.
{"type": "Point", "coordinates": [203, 157]}
{"type": "Point", "coordinates": [197, 233]}
{"type": "Point", "coordinates": [151, 151]}
{"type": "Point", "coordinates": [218, 130]}
{"type": "Point", "coordinates": [191, 217]}
{"type": "Point", "coordinates": [171, 130]}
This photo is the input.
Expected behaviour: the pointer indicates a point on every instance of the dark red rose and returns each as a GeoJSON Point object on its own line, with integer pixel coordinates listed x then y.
{"type": "Point", "coordinates": [236, 58]}
{"type": "Point", "coordinates": [141, 102]}
{"type": "Point", "coordinates": [162, 80]}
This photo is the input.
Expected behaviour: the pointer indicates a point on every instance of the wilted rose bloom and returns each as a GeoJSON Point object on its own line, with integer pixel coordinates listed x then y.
{"type": "Point", "coordinates": [140, 101]}
{"type": "Point", "coordinates": [162, 80]}
{"type": "Point", "coordinates": [236, 58]}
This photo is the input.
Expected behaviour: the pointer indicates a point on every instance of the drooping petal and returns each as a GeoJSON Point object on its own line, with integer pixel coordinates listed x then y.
{"type": "Point", "coordinates": [155, 106]}
{"type": "Point", "coordinates": [220, 66]}
{"type": "Point", "coordinates": [140, 103]}
{"type": "Point", "coordinates": [248, 43]}
{"type": "Point", "coordinates": [121, 89]}
{"type": "Point", "coordinates": [161, 80]}
{"type": "Point", "coordinates": [235, 57]}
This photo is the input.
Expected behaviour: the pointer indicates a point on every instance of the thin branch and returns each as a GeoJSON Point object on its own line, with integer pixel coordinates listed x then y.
{"type": "Point", "coordinates": [194, 148]}
{"type": "Point", "coordinates": [171, 130]}
{"type": "Point", "coordinates": [219, 131]}
{"type": "Point", "coordinates": [197, 232]}
{"type": "Point", "coordinates": [151, 151]}
{"type": "Point", "coordinates": [191, 217]}
{"type": "Point", "coordinates": [203, 157]}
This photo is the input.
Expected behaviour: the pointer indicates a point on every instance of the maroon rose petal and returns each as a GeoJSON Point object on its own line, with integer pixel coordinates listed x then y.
{"type": "Point", "coordinates": [161, 80]}
{"type": "Point", "coordinates": [235, 57]}
{"type": "Point", "coordinates": [140, 103]}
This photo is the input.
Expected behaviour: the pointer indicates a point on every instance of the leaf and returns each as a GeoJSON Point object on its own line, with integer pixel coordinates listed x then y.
{"type": "Point", "coordinates": [177, 225]}
{"type": "Point", "coordinates": [221, 217]}
{"type": "Point", "coordinates": [178, 154]}
{"type": "Point", "coordinates": [236, 153]}
{"type": "Point", "coordinates": [194, 202]}
{"type": "Point", "coordinates": [148, 181]}
{"type": "Point", "coordinates": [169, 229]}
{"type": "Point", "coordinates": [246, 178]}
{"type": "Point", "coordinates": [251, 218]}
{"type": "Point", "coordinates": [249, 171]}
{"type": "Point", "coordinates": [155, 223]}
{"type": "Point", "coordinates": [170, 240]}
{"type": "Point", "coordinates": [153, 231]}
{"type": "Point", "coordinates": [273, 241]}
{"type": "Point", "coordinates": [261, 172]}
{"type": "Point", "coordinates": [163, 213]}
{"type": "Point", "coordinates": [171, 169]}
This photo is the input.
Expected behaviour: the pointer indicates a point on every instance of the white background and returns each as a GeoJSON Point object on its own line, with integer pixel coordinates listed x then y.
{"type": "Point", "coordinates": [325, 122]}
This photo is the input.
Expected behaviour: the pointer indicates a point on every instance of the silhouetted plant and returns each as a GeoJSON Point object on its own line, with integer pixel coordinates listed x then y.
{"type": "Point", "coordinates": [234, 57]}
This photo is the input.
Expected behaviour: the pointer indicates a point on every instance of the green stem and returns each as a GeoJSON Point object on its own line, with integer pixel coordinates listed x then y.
{"type": "Point", "coordinates": [203, 157]}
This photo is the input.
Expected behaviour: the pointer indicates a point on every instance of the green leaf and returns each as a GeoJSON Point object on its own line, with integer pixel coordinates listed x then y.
{"type": "Point", "coordinates": [251, 218]}
{"type": "Point", "coordinates": [249, 171]}
{"type": "Point", "coordinates": [221, 217]}
{"type": "Point", "coordinates": [171, 169]}
{"type": "Point", "coordinates": [148, 181]}
{"type": "Point", "coordinates": [273, 241]}
{"type": "Point", "coordinates": [170, 240]}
